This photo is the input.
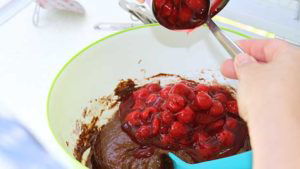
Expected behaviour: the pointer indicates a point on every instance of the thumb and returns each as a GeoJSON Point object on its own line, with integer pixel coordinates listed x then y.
{"type": "Point", "coordinates": [246, 68]}
{"type": "Point", "coordinates": [242, 62]}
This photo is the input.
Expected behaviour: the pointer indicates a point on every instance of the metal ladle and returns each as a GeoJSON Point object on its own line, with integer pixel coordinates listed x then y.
{"type": "Point", "coordinates": [144, 15]}
{"type": "Point", "coordinates": [231, 47]}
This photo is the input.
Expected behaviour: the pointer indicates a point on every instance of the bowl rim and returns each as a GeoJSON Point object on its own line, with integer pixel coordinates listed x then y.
{"type": "Point", "coordinates": [53, 83]}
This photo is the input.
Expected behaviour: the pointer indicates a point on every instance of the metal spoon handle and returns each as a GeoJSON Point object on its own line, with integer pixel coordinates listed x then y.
{"type": "Point", "coordinates": [232, 48]}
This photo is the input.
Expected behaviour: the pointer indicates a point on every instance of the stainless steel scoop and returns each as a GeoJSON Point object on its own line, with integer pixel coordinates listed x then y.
{"type": "Point", "coordinates": [232, 48]}
{"type": "Point", "coordinates": [146, 17]}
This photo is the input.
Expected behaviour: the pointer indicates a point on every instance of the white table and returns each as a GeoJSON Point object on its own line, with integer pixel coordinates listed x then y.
{"type": "Point", "coordinates": [30, 57]}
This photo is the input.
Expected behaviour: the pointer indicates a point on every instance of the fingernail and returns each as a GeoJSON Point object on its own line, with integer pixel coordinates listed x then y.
{"type": "Point", "coordinates": [244, 59]}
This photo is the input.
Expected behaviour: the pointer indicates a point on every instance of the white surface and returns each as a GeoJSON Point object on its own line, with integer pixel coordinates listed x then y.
{"type": "Point", "coordinates": [3, 2]}
{"type": "Point", "coordinates": [276, 16]}
{"type": "Point", "coordinates": [30, 57]}
{"type": "Point", "coordinates": [10, 8]}
{"type": "Point", "coordinates": [97, 71]}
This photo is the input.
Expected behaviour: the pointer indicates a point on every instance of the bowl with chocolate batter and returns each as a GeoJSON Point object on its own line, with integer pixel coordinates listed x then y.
{"type": "Point", "coordinates": [129, 99]}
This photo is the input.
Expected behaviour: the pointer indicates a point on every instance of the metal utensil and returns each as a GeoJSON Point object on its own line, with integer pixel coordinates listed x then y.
{"type": "Point", "coordinates": [138, 13]}
{"type": "Point", "coordinates": [232, 48]}
{"type": "Point", "coordinates": [141, 13]}
{"type": "Point", "coordinates": [115, 26]}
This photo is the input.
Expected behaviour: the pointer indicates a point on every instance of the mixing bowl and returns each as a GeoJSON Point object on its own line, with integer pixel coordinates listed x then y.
{"type": "Point", "coordinates": [133, 53]}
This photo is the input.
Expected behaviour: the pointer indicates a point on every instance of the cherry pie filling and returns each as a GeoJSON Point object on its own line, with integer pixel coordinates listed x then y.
{"type": "Point", "coordinates": [197, 118]}
{"type": "Point", "coordinates": [186, 14]}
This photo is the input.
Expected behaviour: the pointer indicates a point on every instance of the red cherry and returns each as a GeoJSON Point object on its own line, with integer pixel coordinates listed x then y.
{"type": "Point", "coordinates": [166, 9]}
{"type": "Point", "coordinates": [187, 115]}
{"type": "Point", "coordinates": [133, 118]}
{"type": "Point", "coordinates": [166, 140]}
{"type": "Point", "coordinates": [209, 148]}
{"type": "Point", "coordinates": [177, 2]}
{"type": "Point", "coordinates": [226, 138]}
{"type": "Point", "coordinates": [231, 123]}
{"type": "Point", "coordinates": [216, 125]}
{"type": "Point", "coordinates": [159, 3]}
{"type": "Point", "coordinates": [167, 117]}
{"type": "Point", "coordinates": [173, 17]}
{"type": "Point", "coordinates": [175, 103]}
{"type": "Point", "coordinates": [152, 98]}
{"type": "Point", "coordinates": [200, 137]}
{"type": "Point", "coordinates": [164, 93]}
{"type": "Point", "coordinates": [204, 118]}
{"type": "Point", "coordinates": [185, 141]}
{"type": "Point", "coordinates": [181, 89]}
{"type": "Point", "coordinates": [143, 133]}
{"type": "Point", "coordinates": [195, 5]}
{"type": "Point", "coordinates": [158, 102]}
{"type": "Point", "coordinates": [142, 93]}
{"type": "Point", "coordinates": [203, 100]}
{"type": "Point", "coordinates": [155, 126]}
{"type": "Point", "coordinates": [232, 106]}
{"type": "Point", "coordinates": [206, 151]}
{"type": "Point", "coordinates": [178, 130]}
{"type": "Point", "coordinates": [153, 87]}
{"type": "Point", "coordinates": [202, 88]}
{"type": "Point", "coordinates": [216, 109]}
{"type": "Point", "coordinates": [191, 96]}
{"type": "Point", "coordinates": [221, 97]}
{"type": "Point", "coordinates": [138, 105]}
{"type": "Point", "coordinates": [185, 14]}
{"type": "Point", "coordinates": [147, 113]}
{"type": "Point", "coordinates": [164, 129]}
{"type": "Point", "coordinates": [164, 106]}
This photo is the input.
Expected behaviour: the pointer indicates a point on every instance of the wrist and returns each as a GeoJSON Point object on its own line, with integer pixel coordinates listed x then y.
{"type": "Point", "coordinates": [274, 138]}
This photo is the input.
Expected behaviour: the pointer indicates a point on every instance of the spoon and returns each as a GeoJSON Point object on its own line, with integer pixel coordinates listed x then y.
{"type": "Point", "coordinates": [190, 14]}
{"type": "Point", "coordinates": [144, 15]}
{"type": "Point", "coordinates": [231, 47]}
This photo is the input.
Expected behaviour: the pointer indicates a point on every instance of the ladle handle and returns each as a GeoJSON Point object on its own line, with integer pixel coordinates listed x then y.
{"type": "Point", "coordinates": [232, 48]}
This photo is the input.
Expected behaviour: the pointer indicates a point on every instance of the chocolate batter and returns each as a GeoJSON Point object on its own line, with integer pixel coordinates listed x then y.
{"type": "Point", "coordinates": [114, 149]}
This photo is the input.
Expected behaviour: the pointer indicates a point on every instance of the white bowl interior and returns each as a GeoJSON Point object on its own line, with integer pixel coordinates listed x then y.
{"type": "Point", "coordinates": [135, 53]}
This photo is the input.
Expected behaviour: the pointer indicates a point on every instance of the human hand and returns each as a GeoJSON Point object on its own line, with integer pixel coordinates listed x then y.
{"type": "Point", "coordinates": [269, 100]}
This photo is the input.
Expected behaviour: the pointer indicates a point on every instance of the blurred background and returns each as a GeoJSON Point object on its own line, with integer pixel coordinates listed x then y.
{"type": "Point", "coordinates": [36, 42]}
{"type": "Point", "coordinates": [281, 17]}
